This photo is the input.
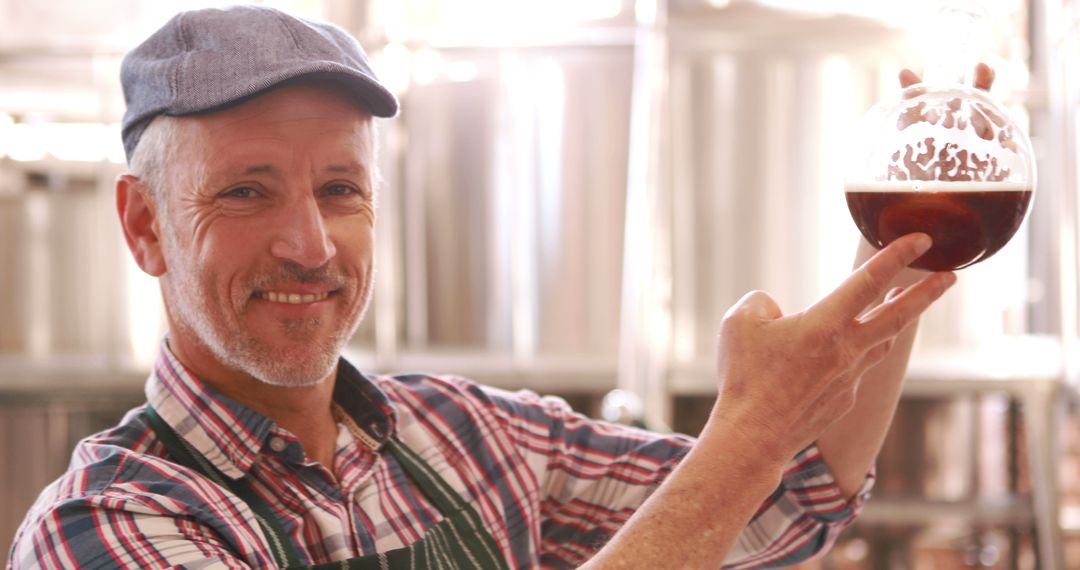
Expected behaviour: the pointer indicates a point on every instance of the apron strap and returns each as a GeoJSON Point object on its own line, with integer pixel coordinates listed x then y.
{"type": "Point", "coordinates": [432, 485]}
{"type": "Point", "coordinates": [476, 538]}
{"type": "Point", "coordinates": [282, 547]}
{"type": "Point", "coordinates": [472, 540]}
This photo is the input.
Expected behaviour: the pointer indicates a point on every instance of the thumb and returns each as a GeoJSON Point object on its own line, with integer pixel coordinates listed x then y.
{"type": "Point", "coordinates": [756, 305]}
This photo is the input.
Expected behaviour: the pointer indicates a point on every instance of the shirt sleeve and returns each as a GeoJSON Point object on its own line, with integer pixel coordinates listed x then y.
{"type": "Point", "coordinates": [118, 512]}
{"type": "Point", "coordinates": [801, 519]}
{"type": "Point", "coordinates": [595, 474]}
{"type": "Point", "coordinates": [107, 531]}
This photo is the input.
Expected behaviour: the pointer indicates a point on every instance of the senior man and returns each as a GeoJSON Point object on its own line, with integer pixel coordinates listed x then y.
{"type": "Point", "coordinates": [251, 197]}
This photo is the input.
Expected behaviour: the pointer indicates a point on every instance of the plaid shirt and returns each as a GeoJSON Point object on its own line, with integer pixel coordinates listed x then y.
{"type": "Point", "coordinates": [550, 484]}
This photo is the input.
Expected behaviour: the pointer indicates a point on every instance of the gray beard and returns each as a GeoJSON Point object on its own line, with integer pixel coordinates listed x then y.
{"type": "Point", "coordinates": [245, 353]}
{"type": "Point", "coordinates": [251, 356]}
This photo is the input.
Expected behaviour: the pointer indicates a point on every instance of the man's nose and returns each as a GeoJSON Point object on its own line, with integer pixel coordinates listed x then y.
{"type": "Point", "coordinates": [302, 235]}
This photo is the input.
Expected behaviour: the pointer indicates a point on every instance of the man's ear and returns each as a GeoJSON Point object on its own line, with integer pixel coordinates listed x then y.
{"type": "Point", "coordinates": [138, 216]}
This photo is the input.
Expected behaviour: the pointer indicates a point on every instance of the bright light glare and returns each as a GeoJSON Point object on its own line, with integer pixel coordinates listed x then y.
{"type": "Point", "coordinates": [114, 146]}
{"type": "Point", "coordinates": [838, 117]}
{"type": "Point", "coordinates": [144, 312]}
{"type": "Point", "coordinates": [462, 71]}
{"type": "Point", "coordinates": [645, 10]}
{"type": "Point", "coordinates": [511, 20]}
{"type": "Point", "coordinates": [75, 142]}
{"type": "Point", "coordinates": [427, 65]}
{"type": "Point", "coordinates": [31, 143]}
{"type": "Point", "coordinates": [911, 15]}
{"type": "Point", "coordinates": [903, 14]}
{"type": "Point", "coordinates": [393, 67]}
{"type": "Point", "coordinates": [554, 11]}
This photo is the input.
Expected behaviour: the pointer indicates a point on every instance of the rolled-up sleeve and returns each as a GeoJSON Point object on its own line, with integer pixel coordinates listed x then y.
{"type": "Point", "coordinates": [594, 475]}
{"type": "Point", "coordinates": [801, 519]}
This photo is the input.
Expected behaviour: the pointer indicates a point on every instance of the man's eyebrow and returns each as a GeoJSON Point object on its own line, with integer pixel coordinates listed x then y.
{"type": "Point", "coordinates": [354, 168]}
{"type": "Point", "coordinates": [258, 169]}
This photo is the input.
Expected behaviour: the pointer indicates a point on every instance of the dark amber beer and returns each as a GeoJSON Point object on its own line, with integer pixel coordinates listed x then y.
{"type": "Point", "coordinates": [968, 221]}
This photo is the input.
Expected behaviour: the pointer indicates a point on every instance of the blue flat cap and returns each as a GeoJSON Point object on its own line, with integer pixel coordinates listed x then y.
{"type": "Point", "coordinates": [205, 60]}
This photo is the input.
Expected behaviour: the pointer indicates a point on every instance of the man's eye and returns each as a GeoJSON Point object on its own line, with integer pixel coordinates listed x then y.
{"type": "Point", "coordinates": [341, 190]}
{"type": "Point", "coordinates": [241, 192]}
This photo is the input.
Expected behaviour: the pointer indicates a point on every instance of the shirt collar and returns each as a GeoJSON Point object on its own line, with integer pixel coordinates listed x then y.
{"type": "Point", "coordinates": [230, 435]}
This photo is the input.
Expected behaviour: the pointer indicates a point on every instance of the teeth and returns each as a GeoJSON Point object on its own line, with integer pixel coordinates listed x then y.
{"type": "Point", "coordinates": [292, 298]}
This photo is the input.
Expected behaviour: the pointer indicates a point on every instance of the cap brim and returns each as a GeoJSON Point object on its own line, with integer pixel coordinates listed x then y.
{"type": "Point", "coordinates": [369, 94]}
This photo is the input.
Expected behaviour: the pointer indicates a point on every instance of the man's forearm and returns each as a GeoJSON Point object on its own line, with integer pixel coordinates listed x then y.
{"type": "Point", "coordinates": [850, 446]}
{"type": "Point", "coordinates": [695, 516]}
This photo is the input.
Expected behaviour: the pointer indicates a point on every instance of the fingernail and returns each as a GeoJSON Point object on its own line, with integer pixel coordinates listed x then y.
{"type": "Point", "coordinates": [947, 280]}
{"type": "Point", "coordinates": [922, 243]}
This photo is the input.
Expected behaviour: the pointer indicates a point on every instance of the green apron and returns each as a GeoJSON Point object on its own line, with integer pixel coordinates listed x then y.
{"type": "Point", "coordinates": [459, 540]}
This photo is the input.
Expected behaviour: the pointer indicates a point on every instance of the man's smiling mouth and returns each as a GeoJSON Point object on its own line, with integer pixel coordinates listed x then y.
{"type": "Point", "coordinates": [292, 298]}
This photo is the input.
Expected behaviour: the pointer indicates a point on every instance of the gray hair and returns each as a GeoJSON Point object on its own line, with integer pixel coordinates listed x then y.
{"type": "Point", "coordinates": [150, 160]}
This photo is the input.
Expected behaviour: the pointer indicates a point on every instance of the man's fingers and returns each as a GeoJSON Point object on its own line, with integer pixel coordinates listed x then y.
{"type": "Point", "coordinates": [984, 77]}
{"type": "Point", "coordinates": [908, 78]}
{"type": "Point", "coordinates": [893, 316]}
{"type": "Point", "coordinates": [870, 281]}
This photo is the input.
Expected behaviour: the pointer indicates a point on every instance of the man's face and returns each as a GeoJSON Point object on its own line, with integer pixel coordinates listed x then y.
{"type": "Point", "coordinates": [268, 236]}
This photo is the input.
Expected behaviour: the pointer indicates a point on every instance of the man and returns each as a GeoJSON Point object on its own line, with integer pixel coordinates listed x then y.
{"type": "Point", "coordinates": [251, 197]}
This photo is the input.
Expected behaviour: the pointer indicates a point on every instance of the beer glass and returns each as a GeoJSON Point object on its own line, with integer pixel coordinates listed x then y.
{"type": "Point", "coordinates": [942, 158]}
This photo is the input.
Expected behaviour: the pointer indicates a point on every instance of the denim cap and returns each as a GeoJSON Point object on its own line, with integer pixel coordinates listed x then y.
{"type": "Point", "coordinates": [205, 60]}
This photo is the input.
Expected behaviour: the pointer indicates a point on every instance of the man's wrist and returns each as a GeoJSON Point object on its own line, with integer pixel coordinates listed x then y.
{"type": "Point", "coordinates": [749, 447]}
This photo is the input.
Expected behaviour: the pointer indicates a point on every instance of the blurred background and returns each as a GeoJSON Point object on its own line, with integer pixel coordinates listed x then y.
{"type": "Point", "coordinates": [573, 195]}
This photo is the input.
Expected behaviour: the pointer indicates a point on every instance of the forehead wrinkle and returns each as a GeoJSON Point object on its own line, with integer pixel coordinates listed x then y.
{"type": "Point", "coordinates": [232, 173]}
{"type": "Point", "coordinates": [358, 137]}
{"type": "Point", "coordinates": [352, 169]}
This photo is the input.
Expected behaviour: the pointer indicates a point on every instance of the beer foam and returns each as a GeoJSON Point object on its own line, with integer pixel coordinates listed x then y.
{"type": "Point", "coordinates": [935, 186]}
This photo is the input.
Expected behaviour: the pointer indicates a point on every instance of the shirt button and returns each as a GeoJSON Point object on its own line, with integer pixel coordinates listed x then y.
{"type": "Point", "coordinates": [278, 444]}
